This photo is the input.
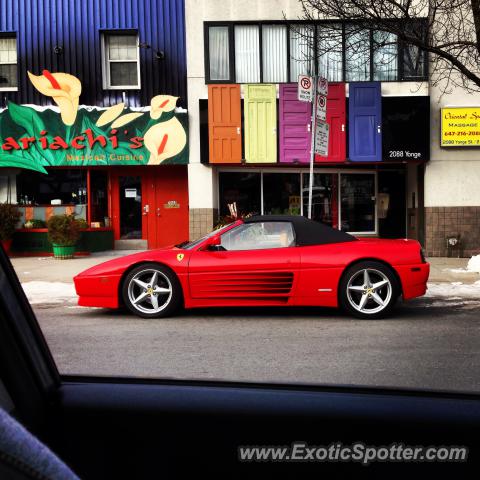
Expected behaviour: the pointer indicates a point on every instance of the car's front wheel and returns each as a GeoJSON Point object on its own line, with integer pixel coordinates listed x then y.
{"type": "Point", "coordinates": [368, 290]}
{"type": "Point", "coordinates": [151, 290]}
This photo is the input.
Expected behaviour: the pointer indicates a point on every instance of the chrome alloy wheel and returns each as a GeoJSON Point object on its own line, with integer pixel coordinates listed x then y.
{"type": "Point", "coordinates": [369, 291]}
{"type": "Point", "coordinates": [150, 291]}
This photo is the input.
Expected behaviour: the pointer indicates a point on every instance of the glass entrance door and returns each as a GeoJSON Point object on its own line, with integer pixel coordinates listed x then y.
{"type": "Point", "coordinates": [130, 189]}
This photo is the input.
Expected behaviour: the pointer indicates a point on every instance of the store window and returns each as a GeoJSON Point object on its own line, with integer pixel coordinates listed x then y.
{"type": "Point", "coordinates": [385, 56]}
{"type": "Point", "coordinates": [357, 193]}
{"type": "Point", "coordinates": [247, 54]}
{"type": "Point", "coordinates": [8, 64]}
{"type": "Point", "coordinates": [324, 197]}
{"type": "Point", "coordinates": [274, 53]}
{"type": "Point", "coordinates": [59, 188]}
{"type": "Point", "coordinates": [301, 51]}
{"type": "Point", "coordinates": [330, 56]}
{"type": "Point", "coordinates": [99, 198]}
{"type": "Point", "coordinates": [357, 55]}
{"type": "Point", "coordinates": [281, 194]}
{"type": "Point", "coordinates": [218, 48]}
{"type": "Point", "coordinates": [242, 189]}
{"type": "Point", "coordinates": [279, 52]}
{"type": "Point", "coordinates": [121, 61]}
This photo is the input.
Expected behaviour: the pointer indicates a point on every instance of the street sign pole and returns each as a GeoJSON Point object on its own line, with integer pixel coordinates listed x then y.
{"type": "Point", "coordinates": [312, 151]}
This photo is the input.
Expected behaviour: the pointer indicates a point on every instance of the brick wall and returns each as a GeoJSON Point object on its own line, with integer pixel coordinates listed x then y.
{"type": "Point", "coordinates": [442, 222]}
{"type": "Point", "coordinates": [202, 221]}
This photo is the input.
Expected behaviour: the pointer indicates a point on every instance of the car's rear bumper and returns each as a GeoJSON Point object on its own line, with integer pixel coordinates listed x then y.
{"type": "Point", "coordinates": [97, 291]}
{"type": "Point", "coordinates": [414, 279]}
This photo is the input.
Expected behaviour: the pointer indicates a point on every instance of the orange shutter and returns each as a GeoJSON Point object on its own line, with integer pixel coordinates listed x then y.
{"type": "Point", "coordinates": [224, 124]}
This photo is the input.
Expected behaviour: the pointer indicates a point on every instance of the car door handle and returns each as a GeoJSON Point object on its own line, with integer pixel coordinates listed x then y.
{"type": "Point", "coordinates": [146, 209]}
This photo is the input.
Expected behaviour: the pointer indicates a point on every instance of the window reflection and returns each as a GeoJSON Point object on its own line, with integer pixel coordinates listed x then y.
{"type": "Point", "coordinates": [357, 193]}
{"type": "Point", "coordinates": [281, 194]}
{"type": "Point", "coordinates": [324, 197]}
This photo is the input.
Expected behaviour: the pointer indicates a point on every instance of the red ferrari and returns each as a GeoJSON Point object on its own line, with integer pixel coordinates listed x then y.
{"type": "Point", "coordinates": [262, 261]}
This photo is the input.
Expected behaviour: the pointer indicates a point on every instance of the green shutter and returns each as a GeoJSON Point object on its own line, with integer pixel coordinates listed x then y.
{"type": "Point", "coordinates": [260, 123]}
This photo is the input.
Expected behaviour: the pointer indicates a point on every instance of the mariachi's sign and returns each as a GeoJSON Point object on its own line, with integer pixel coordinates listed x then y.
{"type": "Point", "coordinates": [33, 138]}
{"type": "Point", "coordinates": [460, 127]}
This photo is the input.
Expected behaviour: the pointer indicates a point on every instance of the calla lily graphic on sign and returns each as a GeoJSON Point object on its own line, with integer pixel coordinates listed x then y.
{"type": "Point", "coordinates": [160, 104]}
{"type": "Point", "coordinates": [65, 89]}
{"type": "Point", "coordinates": [110, 114]}
{"type": "Point", "coordinates": [114, 114]}
{"type": "Point", "coordinates": [127, 118]}
{"type": "Point", "coordinates": [165, 140]}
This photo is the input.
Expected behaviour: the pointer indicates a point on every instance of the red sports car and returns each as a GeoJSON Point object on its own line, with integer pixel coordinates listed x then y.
{"type": "Point", "coordinates": [262, 261]}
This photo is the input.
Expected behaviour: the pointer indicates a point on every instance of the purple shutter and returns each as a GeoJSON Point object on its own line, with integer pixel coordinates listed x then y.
{"type": "Point", "coordinates": [295, 119]}
{"type": "Point", "coordinates": [364, 122]}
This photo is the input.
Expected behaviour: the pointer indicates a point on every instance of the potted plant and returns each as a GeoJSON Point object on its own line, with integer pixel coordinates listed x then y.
{"type": "Point", "coordinates": [9, 218]}
{"type": "Point", "coordinates": [63, 232]}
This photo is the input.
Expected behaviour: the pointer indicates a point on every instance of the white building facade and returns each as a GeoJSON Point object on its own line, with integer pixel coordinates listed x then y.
{"type": "Point", "coordinates": [385, 175]}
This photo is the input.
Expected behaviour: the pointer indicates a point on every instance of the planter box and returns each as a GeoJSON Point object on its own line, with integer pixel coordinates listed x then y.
{"type": "Point", "coordinates": [35, 240]}
{"type": "Point", "coordinates": [63, 252]}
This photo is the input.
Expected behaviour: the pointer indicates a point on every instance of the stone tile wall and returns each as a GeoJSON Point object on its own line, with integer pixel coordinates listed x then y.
{"type": "Point", "coordinates": [442, 222]}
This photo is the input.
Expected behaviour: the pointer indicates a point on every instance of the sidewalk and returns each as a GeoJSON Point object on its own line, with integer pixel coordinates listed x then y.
{"type": "Point", "coordinates": [48, 269]}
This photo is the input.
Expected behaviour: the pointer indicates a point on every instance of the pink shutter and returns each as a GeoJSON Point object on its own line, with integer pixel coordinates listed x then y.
{"type": "Point", "coordinates": [295, 119]}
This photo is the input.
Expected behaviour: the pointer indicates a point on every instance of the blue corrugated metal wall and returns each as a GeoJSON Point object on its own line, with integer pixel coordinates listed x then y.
{"type": "Point", "coordinates": [76, 25]}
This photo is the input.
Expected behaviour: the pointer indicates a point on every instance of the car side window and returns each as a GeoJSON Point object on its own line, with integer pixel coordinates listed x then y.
{"type": "Point", "coordinates": [259, 236]}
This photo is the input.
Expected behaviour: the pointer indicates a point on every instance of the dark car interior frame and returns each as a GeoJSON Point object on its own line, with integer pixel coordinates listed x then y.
{"type": "Point", "coordinates": [134, 428]}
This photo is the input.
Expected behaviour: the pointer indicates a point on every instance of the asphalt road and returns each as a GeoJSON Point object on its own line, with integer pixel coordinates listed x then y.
{"type": "Point", "coordinates": [429, 343]}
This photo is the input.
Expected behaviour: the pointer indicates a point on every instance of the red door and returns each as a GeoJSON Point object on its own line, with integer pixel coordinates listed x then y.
{"type": "Point", "coordinates": [162, 196]}
{"type": "Point", "coordinates": [224, 124]}
{"type": "Point", "coordinates": [167, 206]}
{"type": "Point", "coordinates": [336, 118]}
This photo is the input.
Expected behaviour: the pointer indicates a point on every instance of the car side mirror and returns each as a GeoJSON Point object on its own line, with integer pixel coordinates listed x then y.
{"type": "Point", "coordinates": [213, 243]}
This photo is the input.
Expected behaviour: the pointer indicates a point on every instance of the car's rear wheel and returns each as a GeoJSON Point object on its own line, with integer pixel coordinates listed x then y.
{"type": "Point", "coordinates": [368, 290]}
{"type": "Point", "coordinates": [151, 291]}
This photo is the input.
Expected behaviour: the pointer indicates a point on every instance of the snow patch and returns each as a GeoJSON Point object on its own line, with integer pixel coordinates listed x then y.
{"type": "Point", "coordinates": [49, 292]}
{"type": "Point", "coordinates": [454, 290]}
{"type": "Point", "coordinates": [474, 264]}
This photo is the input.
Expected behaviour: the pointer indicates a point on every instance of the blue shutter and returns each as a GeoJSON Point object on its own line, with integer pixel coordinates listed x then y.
{"type": "Point", "coordinates": [364, 122]}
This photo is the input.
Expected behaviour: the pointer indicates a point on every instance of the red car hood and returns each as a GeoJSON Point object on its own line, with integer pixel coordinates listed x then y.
{"type": "Point", "coordinates": [119, 264]}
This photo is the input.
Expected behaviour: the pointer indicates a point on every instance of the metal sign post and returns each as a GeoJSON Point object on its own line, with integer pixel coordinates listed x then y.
{"type": "Point", "coordinates": [312, 151]}
{"type": "Point", "coordinates": [314, 89]}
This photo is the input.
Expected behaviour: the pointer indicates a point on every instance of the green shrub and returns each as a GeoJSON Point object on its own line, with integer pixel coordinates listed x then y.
{"type": "Point", "coordinates": [82, 223]}
{"type": "Point", "coordinates": [63, 230]}
{"type": "Point", "coordinates": [9, 217]}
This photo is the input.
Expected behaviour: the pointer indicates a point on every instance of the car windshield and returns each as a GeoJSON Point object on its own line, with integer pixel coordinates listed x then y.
{"type": "Point", "coordinates": [190, 245]}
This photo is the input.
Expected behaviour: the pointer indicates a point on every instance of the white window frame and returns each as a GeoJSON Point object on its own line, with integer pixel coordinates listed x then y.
{"type": "Point", "coordinates": [106, 62]}
{"type": "Point", "coordinates": [305, 172]}
{"type": "Point", "coordinates": [11, 89]}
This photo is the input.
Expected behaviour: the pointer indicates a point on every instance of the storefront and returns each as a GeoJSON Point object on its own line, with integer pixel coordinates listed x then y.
{"type": "Point", "coordinates": [371, 182]}
{"type": "Point", "coordinates": [368, 202]}
{"type": "Point", "coordinates": [123, 172]}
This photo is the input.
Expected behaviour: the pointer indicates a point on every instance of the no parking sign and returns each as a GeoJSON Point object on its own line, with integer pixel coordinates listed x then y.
{"type": "Point", "coordinates": [305, 88]}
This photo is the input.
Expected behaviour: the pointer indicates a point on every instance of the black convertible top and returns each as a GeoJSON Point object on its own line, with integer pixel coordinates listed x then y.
{"type": "Point", "coordinates": [307, 232]}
